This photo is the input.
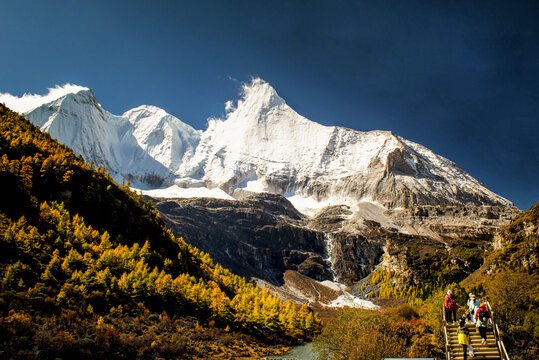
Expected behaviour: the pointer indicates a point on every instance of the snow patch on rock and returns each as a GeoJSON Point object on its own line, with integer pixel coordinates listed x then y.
{"type": "Point", "coordinates": [174, 191]}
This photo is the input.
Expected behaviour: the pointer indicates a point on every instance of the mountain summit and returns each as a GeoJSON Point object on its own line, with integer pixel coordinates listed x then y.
{"type": "Point", "coordinates": [144, 145]}
{"type": "Point", "coordinates": [262, 145]}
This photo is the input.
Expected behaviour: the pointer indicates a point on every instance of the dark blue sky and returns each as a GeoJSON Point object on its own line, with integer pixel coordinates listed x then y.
{"type": "Point", "coordinates": [459, 77]}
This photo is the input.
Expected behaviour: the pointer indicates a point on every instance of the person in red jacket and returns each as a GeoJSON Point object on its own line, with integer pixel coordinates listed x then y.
{"type": "Point", "coordinates": [481, 322]}
{"type": "Point", "coordinates": [450, 305]}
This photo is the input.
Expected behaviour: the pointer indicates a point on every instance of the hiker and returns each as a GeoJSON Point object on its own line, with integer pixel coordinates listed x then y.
{"type": "Point", "coordinates": [468, 317]}
{"type": "Point", "coordinates": [481, 321]}
{"type": "Point", "coordinates": [450, 305]}
{"type": "Point", "coordinates": [463, 337]}
{"type": "Point", "coordinates": [473, 306]}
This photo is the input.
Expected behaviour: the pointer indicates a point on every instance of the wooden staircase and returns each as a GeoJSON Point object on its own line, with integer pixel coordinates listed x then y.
{"type": "Point", "coordinates": [493, 349]}
{"type": "Point", "coordinates": [481, 351]}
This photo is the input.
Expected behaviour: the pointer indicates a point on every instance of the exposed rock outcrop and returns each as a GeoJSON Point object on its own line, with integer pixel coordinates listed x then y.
{"type": "Point", "coordinates": [454, 221]}
{"type": "Point", "coordinates": [261, 236]}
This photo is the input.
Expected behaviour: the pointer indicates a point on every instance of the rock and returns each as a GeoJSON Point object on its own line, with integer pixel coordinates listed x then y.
{"type": "Point", "coordinates": [261, 236]}
{"type": "Point", "coordinates": [264, 236]}
{"type": "Point", "coordinates": [452, 220]}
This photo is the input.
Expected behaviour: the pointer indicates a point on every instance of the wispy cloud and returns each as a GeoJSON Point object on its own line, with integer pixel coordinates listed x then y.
{"type": "Point", "coordinates": [28, 102]}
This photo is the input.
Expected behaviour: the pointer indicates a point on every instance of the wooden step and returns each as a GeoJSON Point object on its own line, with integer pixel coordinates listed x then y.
{"type": "Point", "coordinates": [478, 347]}
{"type": "Point", "coordinates": [476, 357]}
{"type": "Point", "coordinates": [487, 351]}
{"type": "Point", "coordinates": [476, 352]}
{"type": "Point", "coordinates": [470, 329]}
{"type": "Point", "coordinates": [488, 345]}
{"type": "Point", "coordinates": [469, 326]}
{"type": "Point", "coordinates": [472, 338]}
{"type": "Point", "coordinates": [460, 356]}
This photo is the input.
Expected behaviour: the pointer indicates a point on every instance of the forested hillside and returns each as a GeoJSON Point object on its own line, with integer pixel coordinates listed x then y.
{"type": "Point", "coordinates": [509, 278]}
{"type": "Point", "coordinates": [505, 275]}
{"type": "Point", "coordinates": [88, 269]}
{"type": "Point", "coordinates": [517, 244]}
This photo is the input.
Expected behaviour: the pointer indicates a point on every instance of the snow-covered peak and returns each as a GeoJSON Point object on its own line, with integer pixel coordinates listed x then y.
{"type": "Point", "coordinates": [259, 94]}
{"type": "Point", "coordinates": [145, 144]}
{"type": "Point", "coordinates": [149, 115]}
{"type": "Point", "coordinates": [263, 139]}
{"type": "Point", "coordinates": [262, 135]}
{"type": "Point", "coordinates": [258, 99]}
{"type": "Point", "coordinates": [76, 102]}
{"type": "Point", "coordinates": [28, 102]}
{"type": "Point", "coordinates": [262, 145]}
{"type": "Point", "coordinates": [164, 137]}
{"type": "Point", "coordinates": [145, 111]}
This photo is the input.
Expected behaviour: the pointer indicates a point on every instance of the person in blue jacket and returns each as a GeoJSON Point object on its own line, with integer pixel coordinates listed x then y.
{"type": "Point", "coordinates": [473, 306]}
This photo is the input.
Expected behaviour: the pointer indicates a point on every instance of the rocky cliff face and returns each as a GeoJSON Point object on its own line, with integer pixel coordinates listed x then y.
{"type": "Point", "coordinates": [263, 236]}
{"type": "Point", "coordinates": [453, 221]}
{"type": "Point", "coordinates": [516, 245]}
{"type": "Point", "coordinates": [354, 256]}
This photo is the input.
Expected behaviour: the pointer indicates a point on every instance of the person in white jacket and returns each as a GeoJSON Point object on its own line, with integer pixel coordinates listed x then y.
{"type": "Point", "coordinates": [473, 305]}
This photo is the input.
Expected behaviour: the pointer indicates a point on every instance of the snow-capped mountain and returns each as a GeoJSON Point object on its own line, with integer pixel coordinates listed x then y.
{"type": "Point", "coordinates": [262, 145]}
{"type": "Point", "coordinates": [369, 194]}
{"type": "Point", "coordinates": [145, 144]}
{"type": "Point", "coordinates": [160, 143]}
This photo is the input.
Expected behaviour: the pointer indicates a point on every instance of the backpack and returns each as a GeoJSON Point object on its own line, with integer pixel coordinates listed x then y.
{"type": "Point", "coordinates": [483, 316]}
{"type": "Point", "coordinates": [451, 304]}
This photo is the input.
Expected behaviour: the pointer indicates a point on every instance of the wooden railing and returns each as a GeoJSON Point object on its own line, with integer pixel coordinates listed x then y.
{"type": "Point", "coordinates": [496, 331]}
{"type": "Point", "coordinates": [444, 324]}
